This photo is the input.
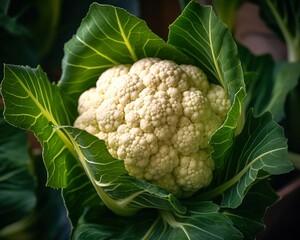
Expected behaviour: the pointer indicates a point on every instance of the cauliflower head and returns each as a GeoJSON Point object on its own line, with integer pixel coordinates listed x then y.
{"type": "Point", "coordinates": [158, 117]}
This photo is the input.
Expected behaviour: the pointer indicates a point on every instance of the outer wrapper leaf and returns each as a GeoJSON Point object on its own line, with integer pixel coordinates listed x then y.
{"type": "Point", "coordinates": [202, 221]}
{"type": "Point", "coordinates": [261, 147]}
{"type": "Point", "coordinates": [286, 77]}
{"type": "Point", "coordinates": [32, 103]}
{"type": "Point", "coordinates": [259, 85]}
{"type": "Point", "coordinates": [258, 152]}
{"type": "Point", "coordinates": [109, 36]}
{"type": "Point", "coordinates": [248, 217]}
{"type": "Point", "coordinates": [200, 34]}
{"type": "Point", "coordinates": [270, 87]}
{"type": "Point", "coordinates": [79, 194]}
{"type": "Point", "coordinates": [116, 189]}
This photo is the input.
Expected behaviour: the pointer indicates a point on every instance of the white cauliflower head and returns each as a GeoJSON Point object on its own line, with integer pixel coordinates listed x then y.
{"type": "Point", "coordinates": [158, 117]}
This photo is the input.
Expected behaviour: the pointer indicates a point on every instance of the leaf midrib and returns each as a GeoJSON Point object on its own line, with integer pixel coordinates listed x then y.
{"type": "Point", "coordinates": [45, 113]}
{"type": "Point", "coordinates": [227, 185]}
{"type": "Point", "coordinates": [217, 67]}
{"type": "Point", "coordinates": [126, 41]}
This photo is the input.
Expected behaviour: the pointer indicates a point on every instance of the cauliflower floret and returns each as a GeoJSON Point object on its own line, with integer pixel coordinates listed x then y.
{"type": "Point", "coordinates": [161, 163]}
{"type": "Point", "coordinates": [107, 78]}
{"type": "Point", "coordinates": [219, 102]}
{"type": "Point", "coordinates": [141, 68]}
{"type": "Point", "coordinates": [187, 137]}
{"type": "Point", "coordinates": [89, 99]}
{"type": "Point", "coordinates": [194, 171]}
{"type": "Point", "coordinates": [166, 74]}
{"type": "Point", "coordinates": [109, 115]}
{"type": "Point", "coordinates": [87, 121]}
{"type": "Point", "coordinates": [196, 106]}
{"type": "Point", "coordinates": [168, 182]}
{"type": "Point", "coordinates": [158, 117]}
{"type": "Point", "coordinates": [197, 76]}
{"type": "Point", "coordinates": [135, 147]}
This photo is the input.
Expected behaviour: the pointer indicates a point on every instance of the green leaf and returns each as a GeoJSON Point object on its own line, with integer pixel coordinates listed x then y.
{"type": "Point", "coordinates": [32, 103]}
{"type": "Point", "coordinates": [202, 221]}
{"type": "Point", "coordinates": [109, 36]}
{"type": "Point", "coordinates": [248, 217]}
{"type": "Point", "coordinates": [120, 192]}
{"type": "Point", "coordinates": [80, 194]}
{"type": "Point", "coordinates": [183, 3]}
{"type": "Point", "coordinates": [259, 87]}
{"type": "Point", "coordinates": [223, 139]}
{"type": "Point", "coordinates": [285, 77]}
{"type": "Point", "coordinates": [17, 184]}
{"type": "Point", "coordinates": [259, 151]}
{"type": "Point", "coordinates": [200, 34]}
{"type": "Point", "coordinates": [269, 88]}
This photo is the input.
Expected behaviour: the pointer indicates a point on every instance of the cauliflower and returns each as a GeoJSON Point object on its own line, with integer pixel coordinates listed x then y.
{"type": "Point", "coordinates": [158, 117]}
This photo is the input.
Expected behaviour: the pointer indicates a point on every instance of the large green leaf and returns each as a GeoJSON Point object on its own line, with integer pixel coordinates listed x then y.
{"type": "Point", "coordinates": [285, 77]}
{"type": "Point", "coordinates": [33, 103]}
{"type": "Point", "coordinates": [200, 34]}
{"type": "Point", "coordinates": [260, 84]}
{"type": "Point", "coordinates": [79, 194]}
{"type": "Point", "coordinates": [17, 184]}
{"type": "Point", "coordinates": [223, 139]}
{"type": "Point", "coordinates": [122, 193]}
{"type": "Point", "coordinates": [202, 221]}
{"type": "Point", "coordinates": [271, 85]}
{"type": "Point", "coordinates": [259, 151]}
{"type": "Point", "coordinates": [248, 217]}
{"type": "Point", "coordinates": [109, 36]}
